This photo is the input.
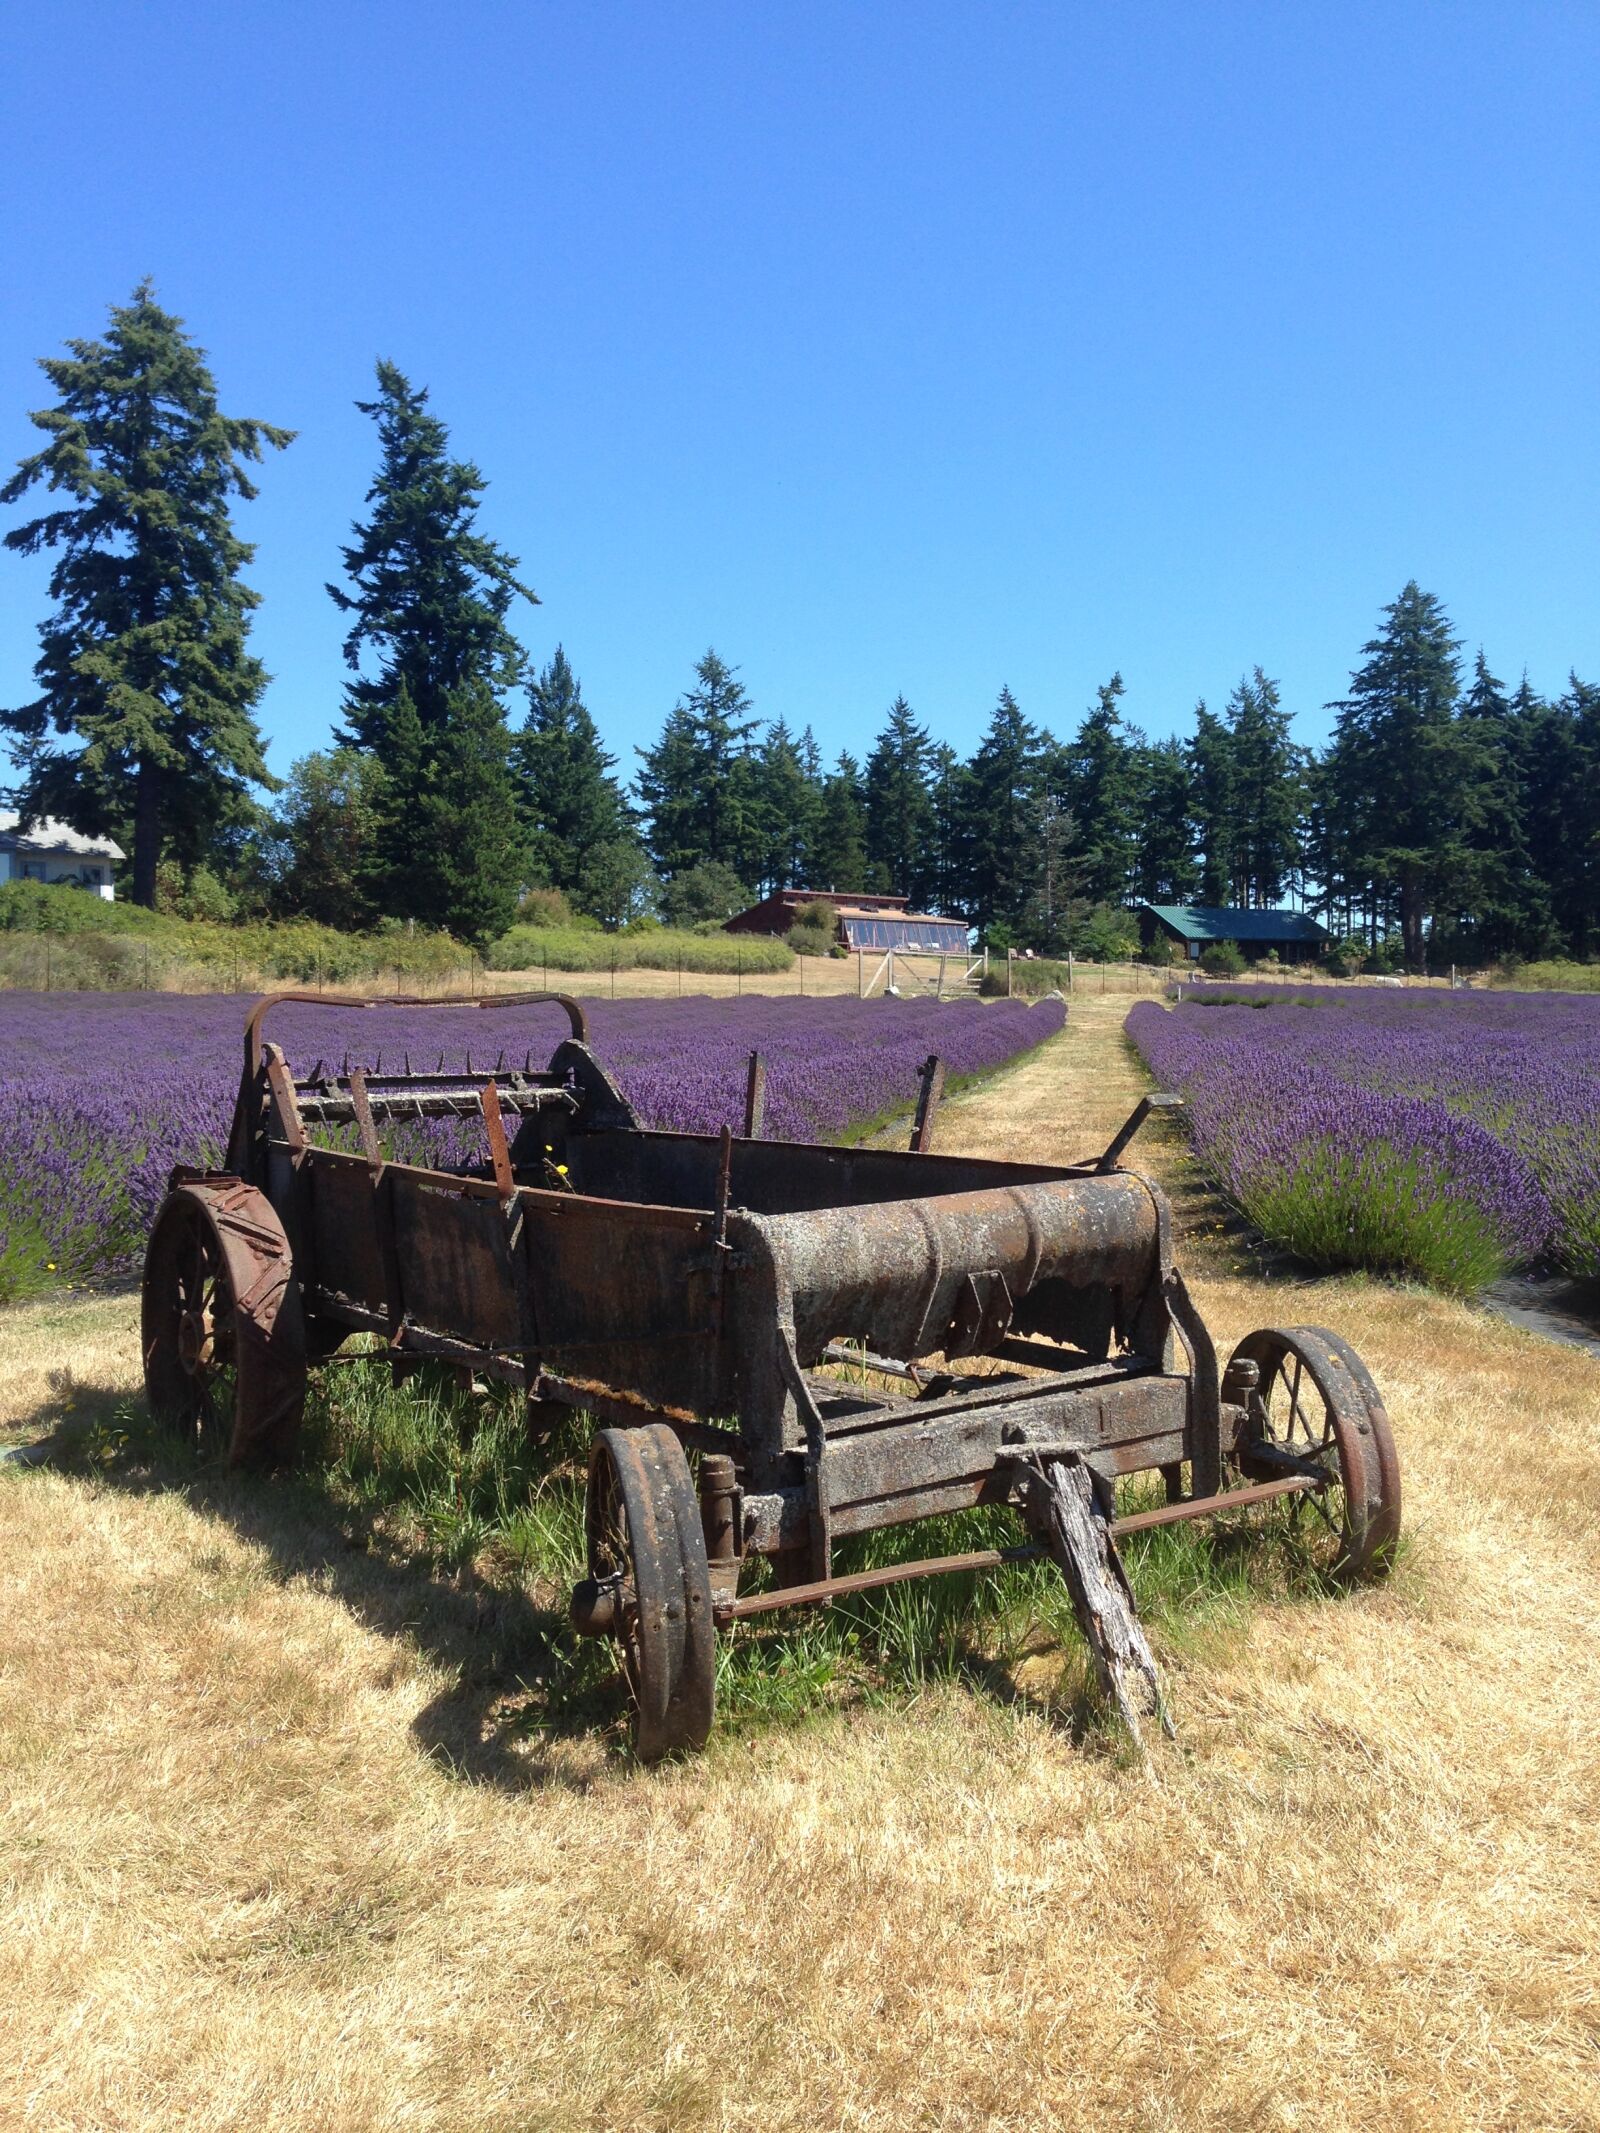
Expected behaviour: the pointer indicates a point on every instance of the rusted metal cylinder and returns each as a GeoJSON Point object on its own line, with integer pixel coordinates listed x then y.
{"type": "Point", "coordinates": [894, 1272]}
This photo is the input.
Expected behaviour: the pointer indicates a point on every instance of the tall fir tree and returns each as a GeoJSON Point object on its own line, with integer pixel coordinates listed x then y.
{"type": "Point", "coordinates": [1164, 871]}
{"type": "Point", "coordinates": [940, 887]}
{"type": "Point", "coordinates": [698, 786]}
{"type": "Point", "coordinates": [572, 803]}
{"type": "Point", "coordinates": [1509, 908]}
{"type": "Point", "coordinates": [788, 810]}
{"type": "Point", "coordinates": [839, 861]}
{"type": "Point", "coordinates": [1099, 779]}
{"type": "Point", "coordinates": [900, 808]}
{"type": "Point", "coordinates": [1211, 801]}
{"type": "Point", "coordinates": [1412, 773]}
{"type": "Point", "coordinates": [145, 663]}
{"type": "Point", "coordinates": [470, 853]}
{"type": "Point", "coordinates": [999, 834]}
{"type": "Point", "coordinates": [1266, 793]}
{"type": "Point", "coordinates": [428, 606]}
{"type": "Point", "coordinates": [430, 592]}
{"type": "Point", "coordinates": [1572, 815]}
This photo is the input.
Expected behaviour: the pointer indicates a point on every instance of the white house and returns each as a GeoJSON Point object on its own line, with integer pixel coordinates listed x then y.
{"type": "Point", "coordinates": [52, 852]}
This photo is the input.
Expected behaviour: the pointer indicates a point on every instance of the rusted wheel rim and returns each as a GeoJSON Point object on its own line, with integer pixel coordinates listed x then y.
{"type": "Point", "coordinates": [223, 1331]}
{"type": "Point", "coordinates": [644, 1541]}
{"type": "Point", "coordinates": [1317, 1403]}
{"type": "Point", "coordinates": [188, 1334]}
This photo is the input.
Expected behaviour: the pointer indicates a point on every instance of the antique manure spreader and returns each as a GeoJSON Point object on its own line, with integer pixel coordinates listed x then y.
{"type": "Point", "coordinates": [697, 1294]}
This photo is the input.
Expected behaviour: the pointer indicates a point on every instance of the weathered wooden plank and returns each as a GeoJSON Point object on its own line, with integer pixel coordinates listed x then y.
{"type": "Point", "coordinates": [1065, 1511]}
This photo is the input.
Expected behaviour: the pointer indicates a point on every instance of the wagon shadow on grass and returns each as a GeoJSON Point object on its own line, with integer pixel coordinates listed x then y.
{"type": "Point", "coordinates": [517, 1673]}
{"type": "Point", "coordinates": [363, 1518]}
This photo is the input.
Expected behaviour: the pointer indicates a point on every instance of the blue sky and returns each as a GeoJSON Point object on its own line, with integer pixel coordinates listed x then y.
{"type": "Point", "coordinates": [883, 347]}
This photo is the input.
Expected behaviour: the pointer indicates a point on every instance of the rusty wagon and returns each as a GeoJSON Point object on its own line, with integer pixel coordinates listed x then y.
{"type": "Point", "coordinates": [1019, 1335]}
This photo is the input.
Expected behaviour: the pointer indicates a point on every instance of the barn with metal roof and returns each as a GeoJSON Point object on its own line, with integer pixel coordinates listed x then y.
{"type": "Point", "coordinates": [1199, 926]}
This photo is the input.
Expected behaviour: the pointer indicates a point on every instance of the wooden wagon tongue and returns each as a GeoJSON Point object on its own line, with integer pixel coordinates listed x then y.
{"type": "Point", "coordinates": [1068, 1507]}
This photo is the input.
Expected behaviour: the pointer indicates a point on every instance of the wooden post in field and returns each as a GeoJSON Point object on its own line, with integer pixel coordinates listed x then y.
{"type": "Point", "coordinates": [1011, 957]}
{"type": "Point", "coordinates": [861, 973]}
{"type": "Point", "coordinates": [941, 977]}
{"type": "Point", "coordinates": [1069, 970]}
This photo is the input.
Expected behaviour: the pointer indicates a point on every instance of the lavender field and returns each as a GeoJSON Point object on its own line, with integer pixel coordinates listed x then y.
{"type": "Point", "coordinates": [101, 1093]}
{"type": "Point", "coordinates": [1446, 1135]}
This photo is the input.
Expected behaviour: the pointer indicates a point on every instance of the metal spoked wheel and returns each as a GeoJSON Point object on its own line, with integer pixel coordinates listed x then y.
{"type": "Point", "coordinates": [1317, 1409]}
{"type": "Point", "coordinates": [647, 1555]}
{"type": "Point", "coordinates": [223, 1333]}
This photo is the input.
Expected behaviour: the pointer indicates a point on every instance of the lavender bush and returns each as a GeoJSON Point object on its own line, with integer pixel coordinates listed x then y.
{"type": "Point", "coordinates": [1444, 1134]}
{"type": "Point", "coordinates": [101, 1093]}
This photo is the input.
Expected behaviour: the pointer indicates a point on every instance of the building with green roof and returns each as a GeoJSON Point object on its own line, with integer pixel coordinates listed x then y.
{"type": "Point", "coordinates": [1199, 926]}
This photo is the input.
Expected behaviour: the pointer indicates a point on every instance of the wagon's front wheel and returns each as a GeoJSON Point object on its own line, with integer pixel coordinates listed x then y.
{"type": "Point", "coordinates": [647, 1555]}
{"type": "Point", "coordinates": [1316, 1409]}
{"type": "Point", "coordinates": [222, 1327]}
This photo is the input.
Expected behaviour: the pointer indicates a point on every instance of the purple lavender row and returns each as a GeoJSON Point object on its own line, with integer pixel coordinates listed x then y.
{"type": "Point", "coordinates": [101, 1093]}
{"type": "Point", "coordinates": [1446, 1134]}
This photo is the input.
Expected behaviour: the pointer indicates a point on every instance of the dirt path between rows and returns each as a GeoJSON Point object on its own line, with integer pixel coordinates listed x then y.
{"type": "Point", "coordinates": [262, 1869]}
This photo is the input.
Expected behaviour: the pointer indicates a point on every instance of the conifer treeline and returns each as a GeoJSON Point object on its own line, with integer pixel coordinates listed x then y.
{"type": "Point", "coordinates": [1448, 810]}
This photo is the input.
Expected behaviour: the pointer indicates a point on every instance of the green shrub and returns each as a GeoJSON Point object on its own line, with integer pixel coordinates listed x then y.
{"type": "Point", "coordinates": [549, 907]}
{"type": "Point", "coordinates": [1343, 958]}
{"type": "Point", "coordinates": [549, 948]}
{"type": "Point", "coordinates": [816, 930]}
{"type": "Point", "coordinates": [1109, 934]}
{"type": "Point", "coordinates": [122, 944]}
{"type": "Point", "coordinates": [1031, 978]}
{"type": "Point", "coordinates": [1223, 959]}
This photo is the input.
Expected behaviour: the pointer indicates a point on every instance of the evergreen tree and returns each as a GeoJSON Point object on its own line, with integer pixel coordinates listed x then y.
{"type": "Point", "coordinates": [1165, 871]}
{"type": "Point", "coordinates": [1411, 773]}
{"type": "Point", "coordinates": [1569, 747]}
{"type": "Point", "coordinates": [1211, 799]}
{"type": "Point", "coordinates": [788, 809]}
{"type": "Point", "coordinates": [839, 861]}
{"type": "Point", "coordinates": [145, 661]}
{"type": "Point", "coordinates": [571, 802]}
{"type": "Point", "coordinates": [940, 886]}
{"type": "Point", "coordinates": [900, 808]}
{"type": "Point", "coordinates": [1509, 912]}
{"type": "Point", "coordinates": [1266, 772]}
{"type": "Point", "coordinates": [469, 856]}
{"type": "Point", "coordinates": [999, 829]}
{"type": "Point", "coordinates": [431, 593]}
{"type": "Point", "coordinates": [698, 786]}
{"type": "Point", "coordinates": [1100, 775]}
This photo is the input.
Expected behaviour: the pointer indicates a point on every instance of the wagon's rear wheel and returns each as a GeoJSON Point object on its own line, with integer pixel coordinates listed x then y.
{"type": "Point", "coordinates": [647, 1553]}
{"type": "Point", "coordinates": [223, 1331]}
{"type": "Point", "coordinates": [1317, 1408]}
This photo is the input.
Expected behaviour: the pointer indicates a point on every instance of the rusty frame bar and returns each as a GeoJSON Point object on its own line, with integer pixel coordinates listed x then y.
{"type": "Point", "coordinates": [823, 1589]}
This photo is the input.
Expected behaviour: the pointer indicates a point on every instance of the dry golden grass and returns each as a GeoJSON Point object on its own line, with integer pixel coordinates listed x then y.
{"type": "Point", "coordinates": [275, 1854]}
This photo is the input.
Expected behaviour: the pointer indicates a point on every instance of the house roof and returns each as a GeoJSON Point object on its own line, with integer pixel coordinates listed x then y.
{"type": "Point", "coordinates": [1227, 922]}
{"type": "Point", "coordinates": [845, 900]}
{"type": "Point", "coordinates": [49, 835]}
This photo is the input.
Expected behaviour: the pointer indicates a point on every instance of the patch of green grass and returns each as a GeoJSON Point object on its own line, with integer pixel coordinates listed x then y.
{"type": "Point", "coordinates": [448, 1487]}
{"type": "Point", "coordinates": [457, 1477]}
